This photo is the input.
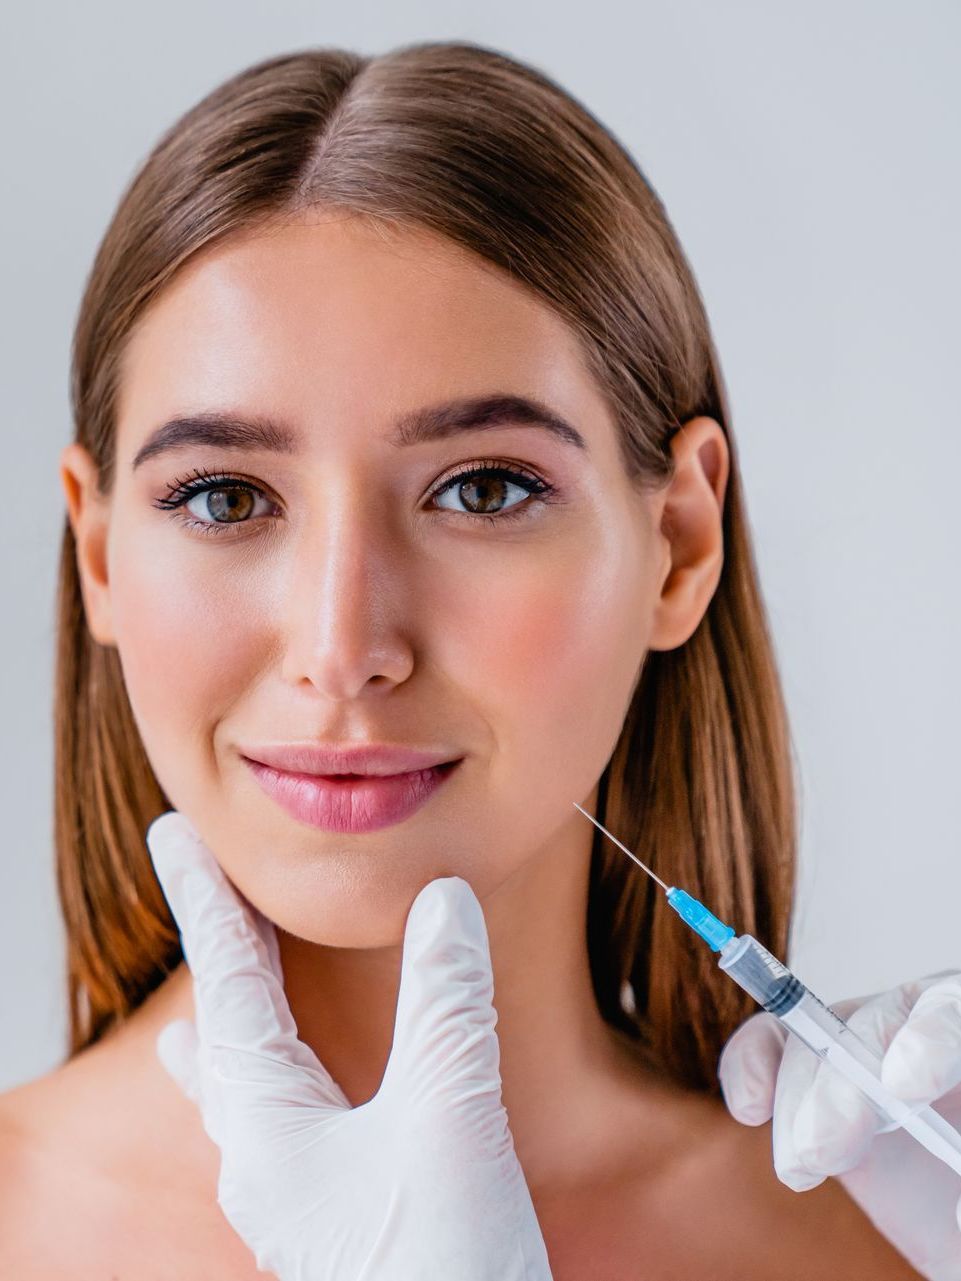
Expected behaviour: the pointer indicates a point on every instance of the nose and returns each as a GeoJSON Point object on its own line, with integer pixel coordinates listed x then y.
{"type": "Point", "coordinates": [347, 608]}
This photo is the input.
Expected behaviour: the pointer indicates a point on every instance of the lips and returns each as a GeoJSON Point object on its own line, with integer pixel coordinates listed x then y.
{"type": "Point", "coordinates": [337, 760]}
{"type": "Point", "coordinates": [351, 804]}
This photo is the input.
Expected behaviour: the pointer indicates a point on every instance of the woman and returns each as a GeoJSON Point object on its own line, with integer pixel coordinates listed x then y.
{"type": "Point", "coordinates": [421, 327]}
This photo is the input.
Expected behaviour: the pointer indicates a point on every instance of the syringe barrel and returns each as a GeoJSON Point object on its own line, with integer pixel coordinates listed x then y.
{"type": "Point", "coordinates": [832, 1040]}
{"type": "Point", "coordinates": [782, 993]}
{"type": "Point", "coordinates": [751, 965]}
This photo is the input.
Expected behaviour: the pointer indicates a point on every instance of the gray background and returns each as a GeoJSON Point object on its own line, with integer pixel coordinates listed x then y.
{"type": "Point", "coordinates": [808, 157]}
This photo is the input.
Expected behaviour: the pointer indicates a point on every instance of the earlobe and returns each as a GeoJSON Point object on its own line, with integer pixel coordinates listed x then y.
{"type": "Point", "coordinates": [89, 519]}
{"type": "Point", "coordinates": [691, 530]}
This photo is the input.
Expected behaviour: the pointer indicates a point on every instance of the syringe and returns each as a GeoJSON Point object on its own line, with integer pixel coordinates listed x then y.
{"type": "Point", "coordinates": [782, 994]}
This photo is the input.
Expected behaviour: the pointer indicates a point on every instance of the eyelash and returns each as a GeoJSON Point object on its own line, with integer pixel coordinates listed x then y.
{"type": "Point", "coordinates": [201, 481]}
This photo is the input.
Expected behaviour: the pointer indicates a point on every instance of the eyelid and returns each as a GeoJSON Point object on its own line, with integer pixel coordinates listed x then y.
{"type": "Point", "coordinates": [541, 492]}
{"type": "Point", "coordinates": [489, 465]}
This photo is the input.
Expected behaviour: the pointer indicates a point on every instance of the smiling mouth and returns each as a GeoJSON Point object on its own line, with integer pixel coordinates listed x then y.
{"type": "Point", "coordinates": [352, 802]}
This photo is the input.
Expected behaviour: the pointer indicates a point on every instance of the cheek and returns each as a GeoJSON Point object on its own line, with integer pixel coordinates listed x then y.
{"type": "Point", "coordinates": [182, 637]}
{"type": "Point", "coordinates": [548, 647]}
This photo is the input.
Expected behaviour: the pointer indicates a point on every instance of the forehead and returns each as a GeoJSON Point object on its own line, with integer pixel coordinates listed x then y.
{"type": "Point", "coordinates": [334, 321]}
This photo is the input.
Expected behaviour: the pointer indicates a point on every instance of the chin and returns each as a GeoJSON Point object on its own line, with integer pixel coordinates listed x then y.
{"type": "Point", "coordinates": [344, 898]}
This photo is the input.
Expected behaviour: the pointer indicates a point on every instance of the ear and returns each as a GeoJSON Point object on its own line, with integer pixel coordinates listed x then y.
{"type": "Point", "coordinates": [691, 529]}
{"type": "Point", "coordinates": [89, 518]}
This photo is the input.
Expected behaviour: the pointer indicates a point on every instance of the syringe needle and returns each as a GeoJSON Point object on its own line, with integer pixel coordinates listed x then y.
{"type": "Point", "coordinates": [690, 909]}
{"type": "Point", "coordinates": [623, 847]}
{"type": "Point", "coordinates": [782, 994]}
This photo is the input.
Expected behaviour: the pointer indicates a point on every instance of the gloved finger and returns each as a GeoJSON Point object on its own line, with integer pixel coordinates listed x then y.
{"type": "Point", "coordinates": [268, 933]}
{"type": "Point", "coordinates": [748, 1068]}
{"type": "Point", "coordinates": [799, 1064]}
{"type": "Point", "coordinates": [180, 1052]}
{"type": "Point", "coordinates": [444, 1041]}
{"type": "Point", "coordinates": [177, 1052]}
{"type": "Point", "coordinates": [835, 1123]}
{"type": "Point", "coordinates": [923, 1059]}
{"type": "Point", "coordinates": [240, 1003]}
{"type": "Point", "coordinates": [235, 989]}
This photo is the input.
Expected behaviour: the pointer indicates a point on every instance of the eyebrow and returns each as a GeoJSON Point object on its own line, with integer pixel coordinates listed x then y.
{"type": "Point", "coordinates": [433, 422]}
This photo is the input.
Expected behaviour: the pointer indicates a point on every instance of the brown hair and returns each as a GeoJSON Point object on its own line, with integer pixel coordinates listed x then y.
{"type": "Point", "coordinates": [494, 155]}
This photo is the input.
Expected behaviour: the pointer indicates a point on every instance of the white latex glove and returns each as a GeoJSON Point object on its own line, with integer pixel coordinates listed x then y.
{"type": "Point", "coordinates": [824, 1126]}
{"type": "Point", "coordinates": [420, 1182]}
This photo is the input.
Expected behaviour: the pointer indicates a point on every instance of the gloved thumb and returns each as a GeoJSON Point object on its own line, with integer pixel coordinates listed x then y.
{"type": "Point", "coordinates": [444, 1041]}
{"type": "Point", "coordinates": [748, 1068]}
{"type": "Point", "coordinates": [177, 1051]}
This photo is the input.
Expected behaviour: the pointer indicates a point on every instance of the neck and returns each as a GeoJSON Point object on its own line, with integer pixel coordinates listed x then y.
{"type": "Point", "coordinates": [555, 1048]}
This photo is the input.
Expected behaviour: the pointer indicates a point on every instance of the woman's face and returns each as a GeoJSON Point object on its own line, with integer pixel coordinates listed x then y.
{"type": "Point", "coordinates": [341, 592]}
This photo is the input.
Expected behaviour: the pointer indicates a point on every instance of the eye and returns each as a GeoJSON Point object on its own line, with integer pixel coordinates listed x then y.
{"type": "Point", "coordinates": [484, 485]}
{"type": "Point", "coordinates": [229, 500]}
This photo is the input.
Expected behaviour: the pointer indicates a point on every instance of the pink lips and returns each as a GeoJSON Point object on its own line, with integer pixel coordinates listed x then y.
{"type": "Point", "coordinates": [354, 803]}
{"type": "Point", "coordinates": [327, 758]}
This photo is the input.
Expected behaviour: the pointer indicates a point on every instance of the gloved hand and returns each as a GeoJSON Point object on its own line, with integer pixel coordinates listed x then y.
{"type": "Point", "coordinates": [420, 1182]}
{"type": "Point", "coordinates": [824, 1126]}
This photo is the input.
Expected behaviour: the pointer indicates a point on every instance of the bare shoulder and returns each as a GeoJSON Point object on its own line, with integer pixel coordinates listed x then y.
{"type": "Point", "coordinates": [35, 1190]}
{"type": "Point", "coordinates": [58, 1201]}
{"type": "Point", "coordinates": [105, 1171]}
{"type": "Point", "coordinates": [718, 1210]}
{"type": "Point", "coordinates": [18, 1108]}
{"type": "Point", "coordinates": [737, 1199]}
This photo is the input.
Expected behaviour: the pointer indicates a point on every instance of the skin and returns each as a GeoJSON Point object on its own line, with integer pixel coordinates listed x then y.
{"type": "Point", "coordinates": [350, 606]}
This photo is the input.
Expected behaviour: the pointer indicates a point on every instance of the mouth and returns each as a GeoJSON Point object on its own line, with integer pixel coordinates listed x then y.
{"type": "Point", "coordinates": [351, 802]}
